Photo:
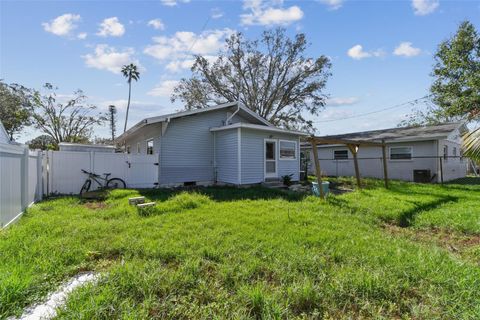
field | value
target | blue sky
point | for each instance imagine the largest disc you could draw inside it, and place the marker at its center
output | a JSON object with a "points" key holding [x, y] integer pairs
{"points": [[381, 51]]}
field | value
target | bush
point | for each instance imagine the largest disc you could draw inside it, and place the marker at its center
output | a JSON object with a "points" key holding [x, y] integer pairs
{"points": [[287, 179]]}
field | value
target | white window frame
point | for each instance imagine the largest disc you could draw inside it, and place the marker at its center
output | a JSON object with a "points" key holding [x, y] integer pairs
{"points": [[138, 147], [390, 153], [280, 154], [146, 146], [333, 155]]}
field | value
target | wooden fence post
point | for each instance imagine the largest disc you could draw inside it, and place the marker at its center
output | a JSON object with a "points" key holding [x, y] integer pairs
{"points": [[318, 172], [385, 169], [354, 150], [441, 169]]}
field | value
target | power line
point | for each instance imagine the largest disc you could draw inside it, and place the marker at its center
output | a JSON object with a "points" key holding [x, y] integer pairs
{"points": [[411, 102], [203, 29]]}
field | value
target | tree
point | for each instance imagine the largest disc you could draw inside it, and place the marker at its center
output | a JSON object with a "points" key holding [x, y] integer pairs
{"points": [[71, 121], [112, 119], [455, 91], [15, 107], [42, 142], [130, 72], [271, 76]]}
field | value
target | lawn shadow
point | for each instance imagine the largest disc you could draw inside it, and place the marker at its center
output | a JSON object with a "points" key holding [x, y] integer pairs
{"points": [[407, 218], [226, 193]]}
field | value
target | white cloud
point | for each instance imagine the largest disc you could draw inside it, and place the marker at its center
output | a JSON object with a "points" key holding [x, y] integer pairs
{"points": [[356, 52], [184, 43], [268, 13], [111, 27], [424, 7], [82, 35], [173, 3], [182, 64], [407, 50], [339, 101], [157, 24], [62, 25], [164, 88], [108, 58], [216, 13], [333, 4]]}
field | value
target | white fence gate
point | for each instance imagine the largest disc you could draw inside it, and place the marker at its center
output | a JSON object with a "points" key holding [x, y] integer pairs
{"points": [[65, 174]]}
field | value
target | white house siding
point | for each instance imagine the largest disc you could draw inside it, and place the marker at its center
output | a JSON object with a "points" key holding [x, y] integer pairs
{"points": [[140, 138], [186, 149], [226, 150], [454, 167], [373, 166], [253, 162]]}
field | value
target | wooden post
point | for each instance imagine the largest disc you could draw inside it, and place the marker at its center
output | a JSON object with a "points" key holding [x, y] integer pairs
{"points": [[318, 172], [441, 170], [385, 169], [354, 150]]}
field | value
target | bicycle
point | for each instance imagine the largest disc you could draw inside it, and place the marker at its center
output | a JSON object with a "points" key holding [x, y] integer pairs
{"points": [[103, 182]]}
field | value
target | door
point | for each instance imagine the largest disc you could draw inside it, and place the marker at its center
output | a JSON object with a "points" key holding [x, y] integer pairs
{"points": [[271, 159]]}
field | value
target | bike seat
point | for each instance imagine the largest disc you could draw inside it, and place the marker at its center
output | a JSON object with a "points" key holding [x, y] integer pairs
{"points": [[107, 174]]}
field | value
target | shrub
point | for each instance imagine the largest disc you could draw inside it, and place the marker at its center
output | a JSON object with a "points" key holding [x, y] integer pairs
{"points": [[287, 179]]}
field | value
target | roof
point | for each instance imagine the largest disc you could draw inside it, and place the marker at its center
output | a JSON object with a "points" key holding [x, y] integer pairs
{"points": [[257, 127], [402, 134], [103, 146], [168, 117]]}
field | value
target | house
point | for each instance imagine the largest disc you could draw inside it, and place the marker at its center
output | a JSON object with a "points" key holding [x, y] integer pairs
{"points": [[78, 147], [413, 153], [4, 138], [225, 144]]}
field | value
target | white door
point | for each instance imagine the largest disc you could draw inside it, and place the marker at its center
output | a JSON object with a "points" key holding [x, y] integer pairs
{"points": [[271, 159], [142, 170]]}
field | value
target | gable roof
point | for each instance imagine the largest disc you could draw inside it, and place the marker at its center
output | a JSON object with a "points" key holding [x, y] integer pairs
{"points": [[402, 134], [167, 117]]}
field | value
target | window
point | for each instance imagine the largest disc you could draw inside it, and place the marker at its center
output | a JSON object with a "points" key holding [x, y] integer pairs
{"points": [[400, 153], [445, 153], [138, 147], [150, 146], [454, 151], [340, 154], [288, 150], [127, 149]]}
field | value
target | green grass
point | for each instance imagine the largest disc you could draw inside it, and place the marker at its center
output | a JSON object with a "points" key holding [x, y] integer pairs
{"points": [[253, 253]]}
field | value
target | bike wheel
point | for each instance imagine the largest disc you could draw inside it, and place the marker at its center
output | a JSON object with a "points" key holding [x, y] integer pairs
{"points": [[116, 183], [86, 186]]}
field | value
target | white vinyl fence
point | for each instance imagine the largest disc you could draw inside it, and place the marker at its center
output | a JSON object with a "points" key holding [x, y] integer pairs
{"points": [[20, 181], [65, 174], [28, 176]]}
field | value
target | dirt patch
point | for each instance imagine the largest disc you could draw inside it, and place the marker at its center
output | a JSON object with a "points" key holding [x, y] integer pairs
{"points": [[95, 205], [453, 241]]}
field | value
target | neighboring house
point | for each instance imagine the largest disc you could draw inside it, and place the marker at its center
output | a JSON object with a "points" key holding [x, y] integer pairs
{"points": [[227, 143], [413, 154], [67, 146], [4, 138]]}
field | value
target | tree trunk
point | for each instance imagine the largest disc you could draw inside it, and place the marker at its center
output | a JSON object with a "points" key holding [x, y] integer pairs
{"points": [[128, 105]]}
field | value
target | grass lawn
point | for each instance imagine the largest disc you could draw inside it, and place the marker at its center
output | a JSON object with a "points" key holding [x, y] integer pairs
{"points": [[409, 252]]}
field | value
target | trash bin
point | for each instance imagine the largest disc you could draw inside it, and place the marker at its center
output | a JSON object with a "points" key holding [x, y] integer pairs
{"points": [[325, 188]]}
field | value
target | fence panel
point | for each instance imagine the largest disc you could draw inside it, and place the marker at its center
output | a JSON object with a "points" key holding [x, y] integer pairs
{"points": [[11, 162], [65, 175], [142, 171], [114, 163]]}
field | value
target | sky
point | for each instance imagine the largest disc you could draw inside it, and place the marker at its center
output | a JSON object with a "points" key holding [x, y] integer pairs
{"points": [[381, 51]]}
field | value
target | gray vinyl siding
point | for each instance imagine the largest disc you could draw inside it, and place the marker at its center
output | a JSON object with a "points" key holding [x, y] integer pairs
{"points": [[186, 149], [153, 131], [252, 152], [226, 149]]}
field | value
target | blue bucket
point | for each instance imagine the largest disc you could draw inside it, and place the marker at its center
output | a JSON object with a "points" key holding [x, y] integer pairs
{"points": [[325, 188]]}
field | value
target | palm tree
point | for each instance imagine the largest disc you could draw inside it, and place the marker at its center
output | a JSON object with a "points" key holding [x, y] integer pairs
{"points": [[471, 144], [130, 72]]}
